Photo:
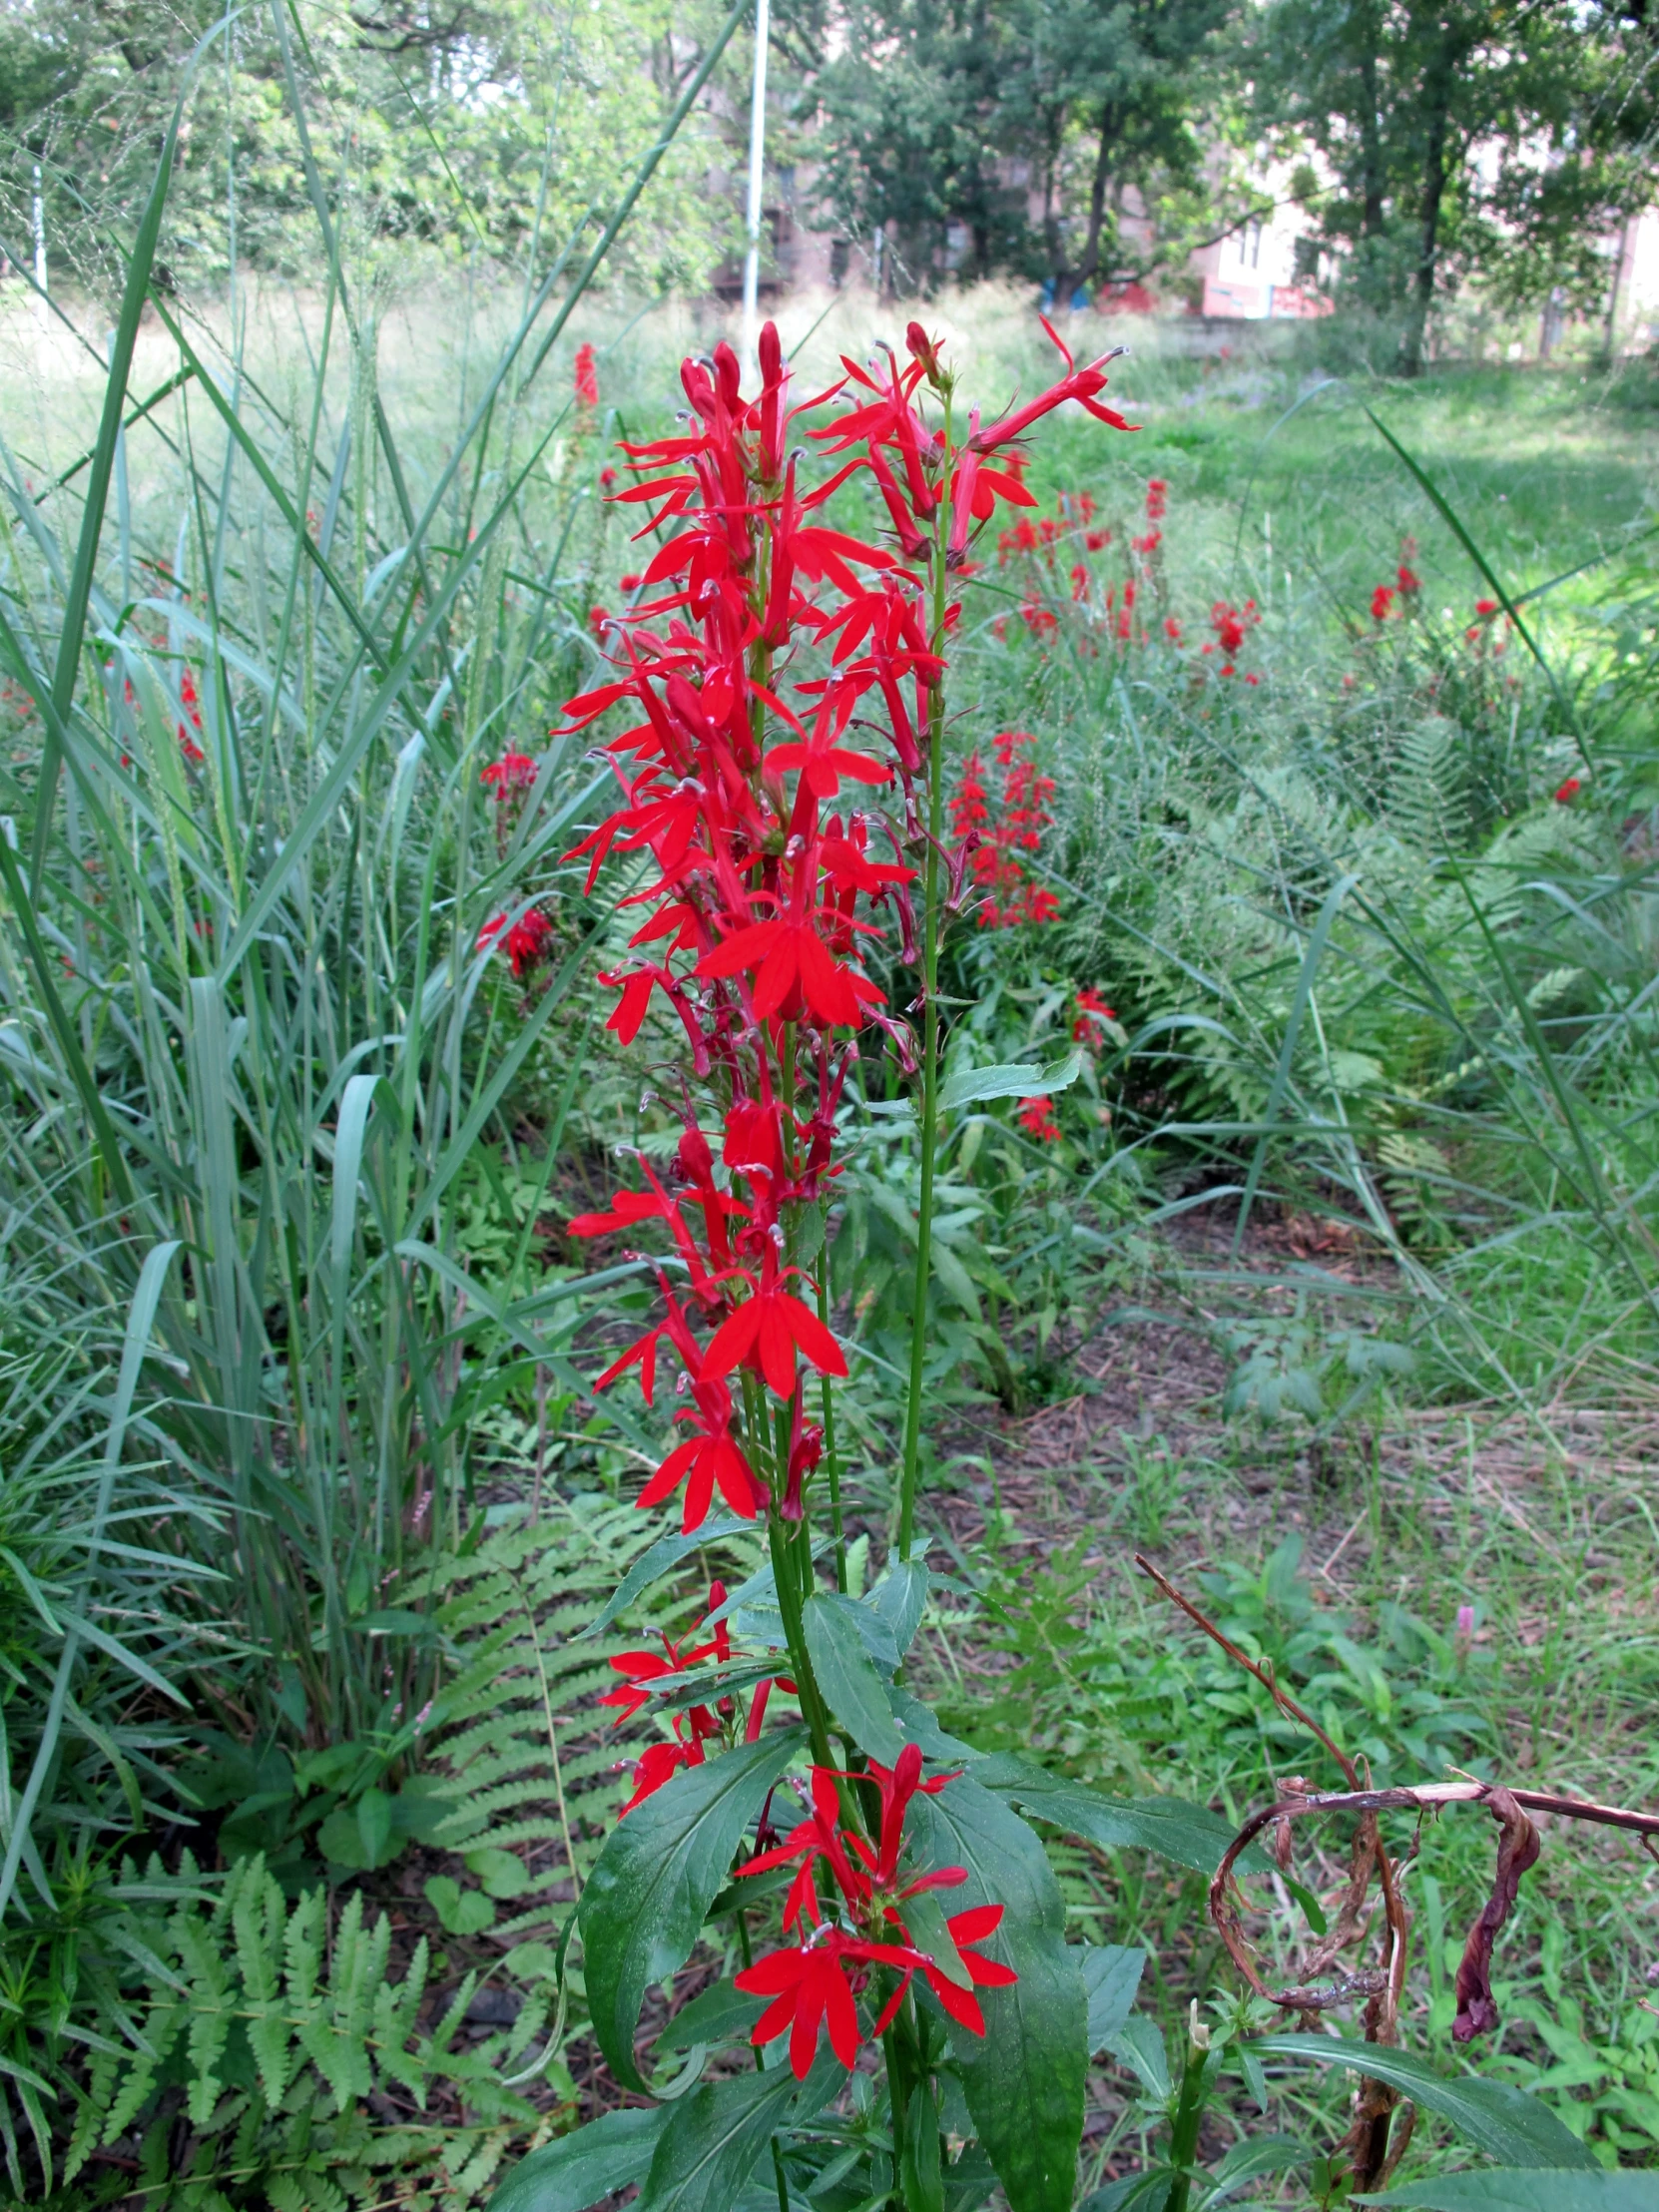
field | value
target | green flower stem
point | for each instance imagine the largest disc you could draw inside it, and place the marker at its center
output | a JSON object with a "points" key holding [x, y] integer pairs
{"points": [[1189, 2114], [831, 1458], [929, 1016], [783, 1570]]}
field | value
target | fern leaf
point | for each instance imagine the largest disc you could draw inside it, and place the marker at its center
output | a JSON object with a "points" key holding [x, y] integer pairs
{"points": [[337, 2045]]}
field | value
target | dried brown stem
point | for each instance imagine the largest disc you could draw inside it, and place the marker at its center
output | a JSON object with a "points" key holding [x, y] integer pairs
{"points": [[1377, 2115], [1381, 2019], [1280, 1698], [1368, 2140]]}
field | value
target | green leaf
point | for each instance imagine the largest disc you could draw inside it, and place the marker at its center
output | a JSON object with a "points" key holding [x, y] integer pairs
{"points": [[72, 621], [656, 1878], [585, 2167], [918, 2158], [1023, 2079], [1139, 2046], [652, 1565], [917, 1723], [1009, 1079], [1497, 2117], [1111, 1976], [1251, 2159], [969, 2182], [341, 1839], [1150, 2189], [846, 1674], [500, 1872], [462, 1912], [899, 1600], [717, 2135], [925, 1918], [1530, 2189], [719, 2014], [1187, 1835], [872, 1626], [424, 1806], [375, 1827]]}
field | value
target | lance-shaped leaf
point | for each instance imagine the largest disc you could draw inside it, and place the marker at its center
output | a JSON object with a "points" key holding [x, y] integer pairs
{"points": [[1530, 2189], [715, 2137], [665, 1554], [1495, 2117], [1187, 1835], [582, 2169], [718, 2014], [656, 1878], [899, 1600], [1010, 1079], [846, 1674], [1023, 2079], [1111, 1975]]}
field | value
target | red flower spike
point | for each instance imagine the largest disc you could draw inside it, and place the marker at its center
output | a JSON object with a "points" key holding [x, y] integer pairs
{"points": [[1568, 792]]}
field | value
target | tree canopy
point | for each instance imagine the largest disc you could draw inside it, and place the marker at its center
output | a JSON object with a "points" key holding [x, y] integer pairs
{"points": [[1068, 142]]}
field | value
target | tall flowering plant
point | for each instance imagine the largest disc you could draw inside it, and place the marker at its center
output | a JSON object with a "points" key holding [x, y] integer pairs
{"points": [[774, 716]]}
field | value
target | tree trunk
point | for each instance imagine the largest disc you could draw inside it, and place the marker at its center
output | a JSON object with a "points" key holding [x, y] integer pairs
{"points": [[1052, 162], [1370, 146], [1438, 117], [1066, 280]]}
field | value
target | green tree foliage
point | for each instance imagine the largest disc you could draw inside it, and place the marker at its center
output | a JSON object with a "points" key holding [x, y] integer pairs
{"points": [[1470, 139], [478, 125], [990, 136]]}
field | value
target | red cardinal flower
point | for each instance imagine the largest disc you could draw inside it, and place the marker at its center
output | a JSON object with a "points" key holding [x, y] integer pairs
{"points": [[526, 942], [659, 1763], [793, 972], [649, 1666], [818, 1836], [1080, 384], [587, 376], [711, 1458], [813, 1985], [967, 1929], [1088, 1025], [514, 772], [764, 1332], [1381, 600], [1036, 1118], [899, 1784], [1568, 792]]}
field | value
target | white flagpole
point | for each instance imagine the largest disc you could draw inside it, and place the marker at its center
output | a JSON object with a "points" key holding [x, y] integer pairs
{"points": [[757, 152]]}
